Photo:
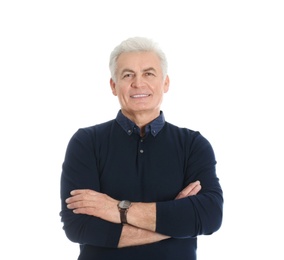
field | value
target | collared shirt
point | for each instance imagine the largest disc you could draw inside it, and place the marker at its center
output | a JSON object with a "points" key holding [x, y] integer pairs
{"points": [[153, 168], [130, 127]]}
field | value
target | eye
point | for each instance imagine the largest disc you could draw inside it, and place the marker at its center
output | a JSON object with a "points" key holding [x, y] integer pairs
{"points": [[128, 75], [150, 74]]}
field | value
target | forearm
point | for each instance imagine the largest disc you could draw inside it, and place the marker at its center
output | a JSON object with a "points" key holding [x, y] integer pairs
{"points": [[141, 218], [133, 236], [191, 216], [142, 215]]}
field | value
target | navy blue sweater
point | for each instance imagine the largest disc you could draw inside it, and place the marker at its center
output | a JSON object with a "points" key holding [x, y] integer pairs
{"points": [[113, 158]]}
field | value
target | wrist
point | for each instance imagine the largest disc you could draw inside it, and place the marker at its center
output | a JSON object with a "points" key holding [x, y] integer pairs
{"points": [[123, 207]]}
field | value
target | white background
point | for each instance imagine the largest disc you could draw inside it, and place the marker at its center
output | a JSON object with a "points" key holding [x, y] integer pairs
{"points": [[226, 65]]}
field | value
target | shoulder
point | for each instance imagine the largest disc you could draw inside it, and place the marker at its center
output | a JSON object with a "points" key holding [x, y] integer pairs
{"points": [[181, 131], [91, 132], [190, 137]]}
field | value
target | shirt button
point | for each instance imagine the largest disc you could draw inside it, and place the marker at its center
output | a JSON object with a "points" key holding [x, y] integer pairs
{"points": [[141, 151], [153, 131], [129, 131], [141, 140]]}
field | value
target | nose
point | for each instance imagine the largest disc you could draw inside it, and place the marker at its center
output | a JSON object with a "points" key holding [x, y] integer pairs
{"points": [[137, 82]]}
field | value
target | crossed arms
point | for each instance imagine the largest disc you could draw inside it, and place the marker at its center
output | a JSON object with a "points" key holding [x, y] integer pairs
{"points": [[92, 217], [141, 216]]}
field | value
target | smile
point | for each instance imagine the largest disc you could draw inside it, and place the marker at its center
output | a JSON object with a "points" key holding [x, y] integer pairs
{"points": [[140, 95]]}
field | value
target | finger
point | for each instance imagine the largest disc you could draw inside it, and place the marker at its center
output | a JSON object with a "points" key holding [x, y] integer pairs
{"points": [[86, 210], [81, 191], [195, 190], [75, 198], [192, 186], [191, 189], [80, 204]]}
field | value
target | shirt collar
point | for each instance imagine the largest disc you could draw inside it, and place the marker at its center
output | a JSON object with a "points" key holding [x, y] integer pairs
{"points": [[130, 127]]}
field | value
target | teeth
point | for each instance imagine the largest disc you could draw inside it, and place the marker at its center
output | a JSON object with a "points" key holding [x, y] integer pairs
{"points": [[140, 95]]}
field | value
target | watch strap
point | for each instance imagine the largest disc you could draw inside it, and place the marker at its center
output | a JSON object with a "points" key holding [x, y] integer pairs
{"points": [[123, 207], [123, 213]]}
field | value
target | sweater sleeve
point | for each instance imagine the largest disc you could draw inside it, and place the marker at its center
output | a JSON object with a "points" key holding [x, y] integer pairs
{"points": [[199, 214], [80, 171]]}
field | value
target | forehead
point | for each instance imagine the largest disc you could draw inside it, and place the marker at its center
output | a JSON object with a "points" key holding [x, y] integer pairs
{"points": [[138, 60]]}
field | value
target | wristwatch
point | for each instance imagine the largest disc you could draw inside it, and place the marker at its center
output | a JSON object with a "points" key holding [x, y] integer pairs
{"points": [[123, 207]]}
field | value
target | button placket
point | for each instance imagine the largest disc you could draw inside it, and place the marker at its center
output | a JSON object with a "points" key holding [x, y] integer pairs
{"points": [[141, 150]]}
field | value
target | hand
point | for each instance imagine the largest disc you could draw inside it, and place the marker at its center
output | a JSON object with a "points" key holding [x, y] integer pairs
{"points": [[190, 190], [94, 203]]}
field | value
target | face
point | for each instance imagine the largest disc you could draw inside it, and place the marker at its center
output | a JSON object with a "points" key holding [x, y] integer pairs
{"points": [[140, 84]]}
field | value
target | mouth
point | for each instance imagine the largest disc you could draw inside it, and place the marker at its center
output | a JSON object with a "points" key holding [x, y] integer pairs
{"points": [[140, 96]]}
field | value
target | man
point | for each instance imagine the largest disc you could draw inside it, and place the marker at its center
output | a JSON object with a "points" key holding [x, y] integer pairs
{"points": [[131, 187]]}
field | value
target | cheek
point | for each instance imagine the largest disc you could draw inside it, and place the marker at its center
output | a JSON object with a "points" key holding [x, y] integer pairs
{"points": [[122, 96]]}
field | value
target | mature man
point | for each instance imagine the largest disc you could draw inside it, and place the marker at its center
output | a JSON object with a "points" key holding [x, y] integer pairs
{"points": [[131, 186]]}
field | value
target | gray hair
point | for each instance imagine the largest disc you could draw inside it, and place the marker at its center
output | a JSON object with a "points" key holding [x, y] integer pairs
{"points": [[137, 44]]}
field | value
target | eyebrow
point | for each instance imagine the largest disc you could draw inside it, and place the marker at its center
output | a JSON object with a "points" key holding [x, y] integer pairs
{"points": [[126, 70], [149, 69], [132, 71]]}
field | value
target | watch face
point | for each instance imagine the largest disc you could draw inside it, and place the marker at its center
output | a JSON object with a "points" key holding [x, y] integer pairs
{"points": [[125, 204]]}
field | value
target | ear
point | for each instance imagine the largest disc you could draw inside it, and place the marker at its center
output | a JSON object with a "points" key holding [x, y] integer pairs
{"points": [[166, 84], [112, 85]]}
